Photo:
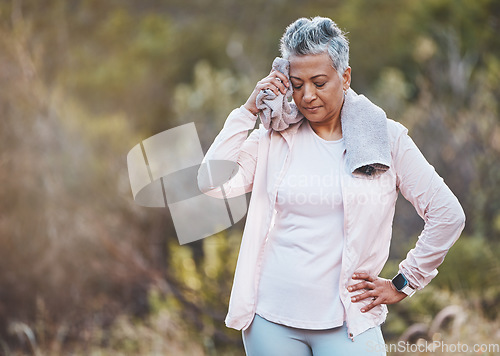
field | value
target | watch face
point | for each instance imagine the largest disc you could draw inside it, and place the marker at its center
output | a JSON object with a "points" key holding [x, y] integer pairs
{"points": [[399, 281]]}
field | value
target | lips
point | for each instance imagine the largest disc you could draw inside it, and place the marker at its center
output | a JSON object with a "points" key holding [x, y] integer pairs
{"points": [[312, 108]]}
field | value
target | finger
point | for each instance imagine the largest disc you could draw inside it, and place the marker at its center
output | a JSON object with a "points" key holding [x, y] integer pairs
{"points": [[280, 80], [370, 306], [363, 275], [263, 85], [366, 295], [361, 285], [283, 78], [279, 84]]}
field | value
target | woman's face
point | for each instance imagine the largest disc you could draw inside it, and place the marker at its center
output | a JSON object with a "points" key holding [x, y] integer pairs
{"points": [[317, 87]]}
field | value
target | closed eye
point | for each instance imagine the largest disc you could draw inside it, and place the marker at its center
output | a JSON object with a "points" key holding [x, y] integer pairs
{"points": [[319, 85]]}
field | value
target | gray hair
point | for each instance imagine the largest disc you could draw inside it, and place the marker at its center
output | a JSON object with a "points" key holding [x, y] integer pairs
{"points": [[315, 36]]}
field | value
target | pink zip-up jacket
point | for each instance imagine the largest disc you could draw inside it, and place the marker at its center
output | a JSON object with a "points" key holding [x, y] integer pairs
{"points": [[369, 204]]}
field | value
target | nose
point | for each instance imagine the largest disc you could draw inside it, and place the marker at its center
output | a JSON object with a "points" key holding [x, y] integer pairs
{"points": [[309, 93]]}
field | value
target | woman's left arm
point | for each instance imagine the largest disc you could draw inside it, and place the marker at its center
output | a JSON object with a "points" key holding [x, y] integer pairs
{"points": [[444, 221], [443, 216]]}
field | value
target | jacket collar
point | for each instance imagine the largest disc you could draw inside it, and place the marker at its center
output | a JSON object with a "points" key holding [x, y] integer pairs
{"points": [[289, 132]]}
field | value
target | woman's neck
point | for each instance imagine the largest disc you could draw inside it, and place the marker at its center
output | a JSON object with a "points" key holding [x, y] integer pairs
{"points": [[329, 131]]}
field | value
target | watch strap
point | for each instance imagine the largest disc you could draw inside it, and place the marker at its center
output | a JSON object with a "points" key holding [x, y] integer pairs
{"points": [[409, 291]]}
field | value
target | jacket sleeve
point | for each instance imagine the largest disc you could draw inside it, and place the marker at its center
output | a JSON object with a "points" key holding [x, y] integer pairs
{"points": [[216, 177], [439, 208]]}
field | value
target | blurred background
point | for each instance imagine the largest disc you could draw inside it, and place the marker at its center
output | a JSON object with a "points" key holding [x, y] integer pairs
{"points": [[86, 271]]}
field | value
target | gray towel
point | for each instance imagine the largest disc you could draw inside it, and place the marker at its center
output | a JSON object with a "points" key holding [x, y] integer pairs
{"points": [[364, 125], [276, 112], [364, 128]]}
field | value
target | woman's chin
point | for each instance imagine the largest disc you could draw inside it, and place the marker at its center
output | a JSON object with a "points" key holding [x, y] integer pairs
{"points": [[314, 119], [310, 117]]}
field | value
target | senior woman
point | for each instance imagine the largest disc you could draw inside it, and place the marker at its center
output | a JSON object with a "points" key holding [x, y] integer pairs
{"points": [[317, 235]]}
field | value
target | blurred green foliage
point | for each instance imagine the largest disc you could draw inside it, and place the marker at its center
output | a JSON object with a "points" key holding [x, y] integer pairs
{"points": [[85, 270]]}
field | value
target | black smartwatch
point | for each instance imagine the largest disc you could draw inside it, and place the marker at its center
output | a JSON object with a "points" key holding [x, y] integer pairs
{"points": [[402, 285]]}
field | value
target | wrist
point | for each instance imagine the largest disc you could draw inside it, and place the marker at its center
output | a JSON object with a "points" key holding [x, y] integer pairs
{"points": [[401, 284], [252, 109]]}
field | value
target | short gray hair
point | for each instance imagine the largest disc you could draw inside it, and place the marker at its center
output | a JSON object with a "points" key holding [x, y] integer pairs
{"points": [[315, 36]]}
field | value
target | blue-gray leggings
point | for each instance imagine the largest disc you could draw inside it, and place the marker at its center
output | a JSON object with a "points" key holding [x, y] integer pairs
{"points": [[265, 338]]}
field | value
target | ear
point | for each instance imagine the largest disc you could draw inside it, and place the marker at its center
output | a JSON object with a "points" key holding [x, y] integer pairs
{"points": [[346, 78]]}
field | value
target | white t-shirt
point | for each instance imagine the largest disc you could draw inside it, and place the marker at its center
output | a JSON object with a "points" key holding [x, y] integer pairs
{"points": [[299, 284]]}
